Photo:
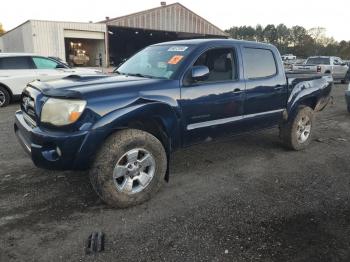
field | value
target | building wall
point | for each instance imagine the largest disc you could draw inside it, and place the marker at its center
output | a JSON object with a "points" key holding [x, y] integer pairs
{"points": [[48, 36], [18, 39], [1, 45]]}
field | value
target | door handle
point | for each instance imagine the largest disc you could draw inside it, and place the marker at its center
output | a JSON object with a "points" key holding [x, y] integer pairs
{"points": [[278, 88]]}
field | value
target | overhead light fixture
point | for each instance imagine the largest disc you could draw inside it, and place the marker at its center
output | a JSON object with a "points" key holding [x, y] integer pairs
{"points": [[136, 32], [110, 32]]}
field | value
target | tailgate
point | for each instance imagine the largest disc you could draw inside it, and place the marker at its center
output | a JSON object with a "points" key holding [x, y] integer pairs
{"points": [[305, 68]]}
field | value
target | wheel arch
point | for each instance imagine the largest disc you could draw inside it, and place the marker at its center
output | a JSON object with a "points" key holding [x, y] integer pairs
{"points": [[158, 119], [8, 90]]}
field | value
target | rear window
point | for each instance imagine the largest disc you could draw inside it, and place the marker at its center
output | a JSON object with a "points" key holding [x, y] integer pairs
{"points": [[258, 63], [17, 62], [318, 61]]}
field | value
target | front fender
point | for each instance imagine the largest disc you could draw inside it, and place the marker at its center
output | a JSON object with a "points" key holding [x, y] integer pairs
{"points": [[161, 112]]}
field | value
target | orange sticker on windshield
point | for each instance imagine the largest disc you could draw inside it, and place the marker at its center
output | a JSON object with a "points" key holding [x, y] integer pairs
{"points": [[175, 59]]}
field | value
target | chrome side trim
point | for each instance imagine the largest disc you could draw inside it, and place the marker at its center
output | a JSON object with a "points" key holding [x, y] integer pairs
{"points": [[229, 119]]}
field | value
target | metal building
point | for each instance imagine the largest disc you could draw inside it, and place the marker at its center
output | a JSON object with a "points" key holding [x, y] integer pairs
{"points": [[111, 41], [130, 33], [51, 38]]}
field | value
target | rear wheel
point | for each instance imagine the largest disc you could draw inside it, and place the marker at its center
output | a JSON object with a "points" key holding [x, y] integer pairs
{"points": [[4, 97], [297, 132], [129, 169]]}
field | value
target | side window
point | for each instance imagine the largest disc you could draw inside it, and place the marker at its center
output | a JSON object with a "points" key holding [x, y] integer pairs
{"points": [[258, 63], [44, 63], [221, 65], [16, 62]]}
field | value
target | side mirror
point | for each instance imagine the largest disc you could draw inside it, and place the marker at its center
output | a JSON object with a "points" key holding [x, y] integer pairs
{"points": [[60, 66], [200, 73]]}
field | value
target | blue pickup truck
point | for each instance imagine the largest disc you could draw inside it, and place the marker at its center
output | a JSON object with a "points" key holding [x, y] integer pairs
{"points": [[124, 127]]}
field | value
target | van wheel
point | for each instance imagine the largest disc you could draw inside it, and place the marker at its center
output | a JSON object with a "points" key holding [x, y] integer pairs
{"points": [[4, 97], [297, 132], [129, 168]]}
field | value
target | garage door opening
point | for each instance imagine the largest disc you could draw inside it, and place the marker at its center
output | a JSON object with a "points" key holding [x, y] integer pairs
{"points": [[124, 42], [85, 52]]}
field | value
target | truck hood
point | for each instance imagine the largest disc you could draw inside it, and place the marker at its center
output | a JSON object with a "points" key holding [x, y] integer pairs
{"points": [[92, 86]]}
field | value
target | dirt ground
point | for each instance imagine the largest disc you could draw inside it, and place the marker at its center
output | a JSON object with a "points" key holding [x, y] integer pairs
{"points": [[243, 199]]}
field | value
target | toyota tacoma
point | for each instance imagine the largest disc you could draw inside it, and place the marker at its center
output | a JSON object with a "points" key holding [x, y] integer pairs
{"points": [[124, 127]]}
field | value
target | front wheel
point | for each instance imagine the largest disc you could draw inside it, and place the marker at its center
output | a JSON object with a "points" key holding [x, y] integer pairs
{"points": [[4, 97], [297, 132], [129, 169]]}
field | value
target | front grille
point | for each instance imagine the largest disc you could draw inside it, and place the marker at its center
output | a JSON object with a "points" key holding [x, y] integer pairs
{"points": [[28, 108]]}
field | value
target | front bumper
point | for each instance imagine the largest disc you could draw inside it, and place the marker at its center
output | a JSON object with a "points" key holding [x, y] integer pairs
{"points": [[52, 150]]}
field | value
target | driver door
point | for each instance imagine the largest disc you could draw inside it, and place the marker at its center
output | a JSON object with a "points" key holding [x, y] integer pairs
{"points": [[213, 106]]}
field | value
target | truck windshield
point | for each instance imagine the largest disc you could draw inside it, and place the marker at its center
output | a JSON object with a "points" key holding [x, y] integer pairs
{"points": [[318, 61], [155, 61]]}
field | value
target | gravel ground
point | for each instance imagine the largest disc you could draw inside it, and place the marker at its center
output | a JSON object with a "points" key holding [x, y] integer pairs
{"points": [[243, 199]]}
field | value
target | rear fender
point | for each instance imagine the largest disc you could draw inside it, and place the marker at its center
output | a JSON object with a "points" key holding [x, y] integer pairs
{"points": [[313, 93]]}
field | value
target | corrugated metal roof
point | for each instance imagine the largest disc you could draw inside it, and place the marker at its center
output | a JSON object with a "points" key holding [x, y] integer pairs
{"points": [[174, 17]]}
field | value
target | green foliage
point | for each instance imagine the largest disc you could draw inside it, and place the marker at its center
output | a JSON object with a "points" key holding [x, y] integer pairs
{"points": [[2, 30], [296, 40]]}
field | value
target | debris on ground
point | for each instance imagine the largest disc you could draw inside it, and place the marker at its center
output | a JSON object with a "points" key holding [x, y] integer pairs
{"points": [[94, 243]]}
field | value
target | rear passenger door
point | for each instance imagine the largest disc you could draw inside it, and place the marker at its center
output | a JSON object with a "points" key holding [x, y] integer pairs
{"points": [[266, 89], [213, 106], [19, 71]]}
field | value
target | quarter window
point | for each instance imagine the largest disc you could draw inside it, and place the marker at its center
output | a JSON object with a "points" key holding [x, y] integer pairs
{"points": [[44, 63], [258, 63], [16, 62]]}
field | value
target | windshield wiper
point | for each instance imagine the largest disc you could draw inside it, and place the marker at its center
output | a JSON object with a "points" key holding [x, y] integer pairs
{"points": [[140, 75], [119, 73]]}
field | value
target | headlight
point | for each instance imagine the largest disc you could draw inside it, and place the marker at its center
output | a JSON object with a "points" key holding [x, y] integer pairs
{"points": [[60, 112]]}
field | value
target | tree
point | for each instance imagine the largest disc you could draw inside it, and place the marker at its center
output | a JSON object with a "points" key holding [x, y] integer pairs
{"points": [[296, 40], [270, 34], [283, 37], [259, 33], [298, 34], [2, 30]]}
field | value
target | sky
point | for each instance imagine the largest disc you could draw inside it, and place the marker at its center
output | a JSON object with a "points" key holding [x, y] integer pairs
{"points": [[333, 15]]}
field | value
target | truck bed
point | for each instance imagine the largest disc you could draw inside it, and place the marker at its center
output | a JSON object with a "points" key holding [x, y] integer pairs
{"points": [[298, 77]]}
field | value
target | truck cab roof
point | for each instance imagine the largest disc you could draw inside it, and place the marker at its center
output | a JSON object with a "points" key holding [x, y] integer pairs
{"points": [[219, 41]]}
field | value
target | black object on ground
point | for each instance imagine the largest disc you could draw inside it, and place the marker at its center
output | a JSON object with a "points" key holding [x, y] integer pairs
{"points": [[95, 243]]}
